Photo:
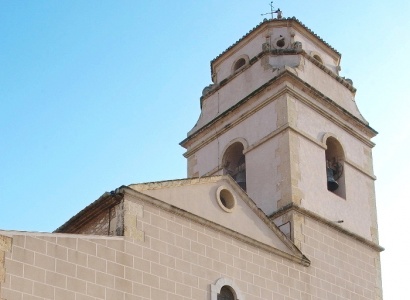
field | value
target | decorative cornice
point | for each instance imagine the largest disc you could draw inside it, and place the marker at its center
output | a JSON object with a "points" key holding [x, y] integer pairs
{"points": [[347, 116], [332, 74], [287, 126], [267, 137], [228, 111], [277, 52], [360, 169], [308, 89], [316, 217]]}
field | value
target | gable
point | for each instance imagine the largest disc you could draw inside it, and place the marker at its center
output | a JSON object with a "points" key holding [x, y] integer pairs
{"points": [[203, 199]]}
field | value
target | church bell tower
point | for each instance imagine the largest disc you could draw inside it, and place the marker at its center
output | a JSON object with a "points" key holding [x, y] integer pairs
{"points": [[281, 121]]}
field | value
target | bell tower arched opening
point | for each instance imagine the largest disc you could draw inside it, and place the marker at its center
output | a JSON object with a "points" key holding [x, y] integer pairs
{"points": [[335, 174], [234, 163]]}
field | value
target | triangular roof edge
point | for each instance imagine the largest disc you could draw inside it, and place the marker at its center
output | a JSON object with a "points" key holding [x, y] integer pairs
{"points": [[173, 182], [297, 256], [252, 205], [136, 190], [109, 199], [106, 200], [266, 21]]}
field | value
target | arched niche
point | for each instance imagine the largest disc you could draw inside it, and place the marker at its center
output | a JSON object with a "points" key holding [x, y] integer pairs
{"points": [[241, 62], [316, 56], [225, 289]]}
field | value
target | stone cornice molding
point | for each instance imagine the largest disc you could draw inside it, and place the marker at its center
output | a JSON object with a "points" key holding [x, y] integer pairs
{"points": [[338, 78], [267, 137], [306, 136], [318, 218], [276, 52], [281, 78], [338, 110], [214, 122]]}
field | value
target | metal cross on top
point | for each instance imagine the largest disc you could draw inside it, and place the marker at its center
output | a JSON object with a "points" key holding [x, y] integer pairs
{"points": [[278, 12]]}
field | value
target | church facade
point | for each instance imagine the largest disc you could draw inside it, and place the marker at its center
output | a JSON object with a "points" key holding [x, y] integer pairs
{"points": [[278, 204]]}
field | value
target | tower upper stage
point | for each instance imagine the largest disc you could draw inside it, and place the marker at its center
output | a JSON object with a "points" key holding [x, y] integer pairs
{"points": [[270, 49]]}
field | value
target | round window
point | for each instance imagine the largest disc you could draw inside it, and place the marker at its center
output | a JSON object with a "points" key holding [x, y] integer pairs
{"points": [[280, 43], [226, 199]]}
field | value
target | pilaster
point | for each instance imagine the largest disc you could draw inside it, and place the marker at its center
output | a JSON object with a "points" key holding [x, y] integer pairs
{"points": [[5, 246]]}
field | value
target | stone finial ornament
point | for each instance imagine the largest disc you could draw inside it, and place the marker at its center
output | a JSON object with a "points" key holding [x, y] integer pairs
{"points": [[265, 46], [207, 89], [297, 46]]}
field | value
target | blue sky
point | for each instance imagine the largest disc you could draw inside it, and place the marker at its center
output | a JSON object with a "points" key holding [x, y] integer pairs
{"points": [[98, 94]]}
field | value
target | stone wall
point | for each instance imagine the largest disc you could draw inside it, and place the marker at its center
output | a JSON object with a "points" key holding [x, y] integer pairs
{"points": [[342, 267], [179, 259]]}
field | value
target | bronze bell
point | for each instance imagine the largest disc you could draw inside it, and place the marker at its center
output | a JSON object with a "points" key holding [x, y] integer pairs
{"points": [[332, 184], [240, 177]]}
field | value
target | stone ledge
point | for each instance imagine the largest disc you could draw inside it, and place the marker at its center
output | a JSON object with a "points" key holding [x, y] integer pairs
{"points": [[287, 76]]}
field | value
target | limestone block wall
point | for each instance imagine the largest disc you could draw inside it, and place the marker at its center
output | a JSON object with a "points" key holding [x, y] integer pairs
{"points": [[342, 267], [63, 266], [180, 259]]}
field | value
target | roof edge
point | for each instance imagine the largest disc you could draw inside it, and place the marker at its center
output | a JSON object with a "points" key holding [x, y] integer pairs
{"points": [[267, 21], [105, 201], [260, 89], [297, 256], [173, 182], [303, 211]]}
